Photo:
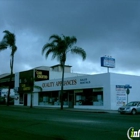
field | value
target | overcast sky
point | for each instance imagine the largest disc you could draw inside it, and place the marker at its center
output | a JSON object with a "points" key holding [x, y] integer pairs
{"points": [[102, 27]]}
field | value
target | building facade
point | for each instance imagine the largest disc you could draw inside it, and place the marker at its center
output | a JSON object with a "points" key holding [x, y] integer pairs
{"points": [[101, 91], [106, 91]]}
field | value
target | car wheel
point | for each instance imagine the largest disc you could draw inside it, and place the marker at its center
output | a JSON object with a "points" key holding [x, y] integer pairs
{"points": [[134, 112]]}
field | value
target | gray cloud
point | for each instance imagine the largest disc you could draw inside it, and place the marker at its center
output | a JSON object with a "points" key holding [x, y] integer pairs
{"points": [[101, 27]]}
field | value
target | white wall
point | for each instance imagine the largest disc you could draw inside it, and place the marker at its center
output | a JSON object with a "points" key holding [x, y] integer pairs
{"points": [[28, 99], [82, 82], [74, 81], [16, 101], [56, 75], [35, 99], [120, 79]]}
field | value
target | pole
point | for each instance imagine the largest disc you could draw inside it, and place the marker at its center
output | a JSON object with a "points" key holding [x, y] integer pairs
{"points": [[107, 69], [127, 98]]}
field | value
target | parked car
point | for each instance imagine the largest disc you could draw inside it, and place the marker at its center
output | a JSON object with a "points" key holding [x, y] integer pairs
{"points": [[131, 108]]}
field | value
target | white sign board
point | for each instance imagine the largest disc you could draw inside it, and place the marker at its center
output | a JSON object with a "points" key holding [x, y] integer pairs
{"points": [[120, 95]]}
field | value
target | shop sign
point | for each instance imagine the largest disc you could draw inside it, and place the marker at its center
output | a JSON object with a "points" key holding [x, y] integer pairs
{"points": [[26, 81], [25, 87], [97, 89], [41, 75], [107, 62], [120, 95], [58, 83], [84, 81], [78, 91]]}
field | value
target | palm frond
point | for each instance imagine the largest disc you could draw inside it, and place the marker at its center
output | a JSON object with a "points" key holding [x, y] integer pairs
{"points": [[71, 40], [3, 45], [46, 47], [38, 87], [10, 37], [50, 51], [80, 51], [55, 38]]}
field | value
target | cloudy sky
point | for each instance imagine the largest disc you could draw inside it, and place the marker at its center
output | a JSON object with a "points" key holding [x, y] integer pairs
{"points": [[102, 27]]}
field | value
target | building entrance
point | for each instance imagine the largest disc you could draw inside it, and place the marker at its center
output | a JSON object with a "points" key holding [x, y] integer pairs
{"points": [[25, 99], [71, 100]]}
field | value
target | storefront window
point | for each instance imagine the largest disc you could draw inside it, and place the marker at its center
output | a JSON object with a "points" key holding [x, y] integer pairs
{"points": [[49, 98], [98, 96], [52, 98], [89, 97]]}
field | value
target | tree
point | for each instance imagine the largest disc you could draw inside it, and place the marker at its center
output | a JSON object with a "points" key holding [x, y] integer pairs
{"points": [[9, 40], [59, 47]]}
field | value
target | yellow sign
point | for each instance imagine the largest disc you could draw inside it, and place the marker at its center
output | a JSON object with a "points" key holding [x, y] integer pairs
{"points": [[25, 88], [41, 74]]}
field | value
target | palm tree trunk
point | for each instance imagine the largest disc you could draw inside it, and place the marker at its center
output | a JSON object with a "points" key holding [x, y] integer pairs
{"points": [[61, 95], [11, 66], [31, 105], [8, 96]]}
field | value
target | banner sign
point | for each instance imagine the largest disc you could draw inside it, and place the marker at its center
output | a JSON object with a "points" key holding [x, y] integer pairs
{"points": [[41, 75], [120, 95], [26, 81], [108, 62]]}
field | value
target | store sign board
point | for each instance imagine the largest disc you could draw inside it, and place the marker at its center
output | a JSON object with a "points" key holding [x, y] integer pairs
{"points": [[76, 83], [58, 83], [26, 81], [41, 75], [78, 91], [120, 95], [97, 89], [108, 62]]}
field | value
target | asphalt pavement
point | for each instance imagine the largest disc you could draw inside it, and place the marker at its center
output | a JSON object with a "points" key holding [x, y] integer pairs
{"points": [[49, 123]]}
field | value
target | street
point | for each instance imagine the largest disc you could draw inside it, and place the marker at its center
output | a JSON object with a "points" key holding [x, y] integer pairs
{"points": [[55, 124]]}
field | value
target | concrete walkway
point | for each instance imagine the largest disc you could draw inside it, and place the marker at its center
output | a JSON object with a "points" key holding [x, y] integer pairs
{"points": [[69, 109], [92, 110], [81, 110]]}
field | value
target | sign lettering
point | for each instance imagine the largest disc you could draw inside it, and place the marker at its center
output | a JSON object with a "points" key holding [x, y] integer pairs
{"points": [[41, 75], [58, 83]]}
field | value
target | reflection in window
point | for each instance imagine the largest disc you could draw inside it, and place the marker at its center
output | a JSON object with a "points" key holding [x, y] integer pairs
{"points": [[49, 98], [89, 97]]}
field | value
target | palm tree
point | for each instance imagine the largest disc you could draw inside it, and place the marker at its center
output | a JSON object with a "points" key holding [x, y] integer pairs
{"points": [[59, 47], [9, 40]]}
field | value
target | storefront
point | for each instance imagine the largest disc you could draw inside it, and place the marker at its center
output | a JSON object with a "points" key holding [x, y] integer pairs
{"points": [[100, 91], [78, 97], [79, 92]]}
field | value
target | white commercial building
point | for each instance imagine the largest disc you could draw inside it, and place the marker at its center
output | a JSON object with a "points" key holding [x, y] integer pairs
{"points": [[100, 91]]}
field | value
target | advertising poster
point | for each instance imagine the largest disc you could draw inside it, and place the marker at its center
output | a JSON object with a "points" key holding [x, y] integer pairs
{"points": [[120, 95]]}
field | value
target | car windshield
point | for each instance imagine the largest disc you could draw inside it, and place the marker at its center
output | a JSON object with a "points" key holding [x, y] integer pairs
{"points": [[132, 104]]}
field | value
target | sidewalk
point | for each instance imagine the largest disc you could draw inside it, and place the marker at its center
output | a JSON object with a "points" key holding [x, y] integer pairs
{"points": [[81, 110], [91, 110], [68, 109]]}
